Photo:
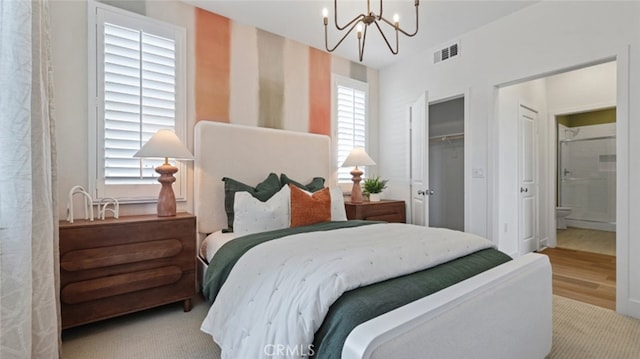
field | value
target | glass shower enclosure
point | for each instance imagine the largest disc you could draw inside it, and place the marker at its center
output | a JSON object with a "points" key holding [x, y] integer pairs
{"points": [[587, 181]]}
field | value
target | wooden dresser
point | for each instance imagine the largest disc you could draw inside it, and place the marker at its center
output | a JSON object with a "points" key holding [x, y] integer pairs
{"points": [[385, 210], [118, 266]]}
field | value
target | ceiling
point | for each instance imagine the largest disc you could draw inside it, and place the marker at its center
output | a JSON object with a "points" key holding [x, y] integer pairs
{"points": [[301, 20]]}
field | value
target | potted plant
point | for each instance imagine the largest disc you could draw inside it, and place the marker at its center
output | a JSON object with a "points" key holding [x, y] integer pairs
{"points": [[373, 187]]}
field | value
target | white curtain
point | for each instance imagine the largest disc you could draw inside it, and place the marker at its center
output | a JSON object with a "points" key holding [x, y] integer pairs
{"points": [[29, 279]]}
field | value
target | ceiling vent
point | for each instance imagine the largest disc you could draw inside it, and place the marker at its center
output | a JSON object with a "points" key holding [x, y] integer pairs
{"points": [[446, 53]]}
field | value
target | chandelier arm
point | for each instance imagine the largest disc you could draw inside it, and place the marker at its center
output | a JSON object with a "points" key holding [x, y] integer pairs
{"points": [[380, 14], [415, 32], [417, 3], [364, 39], [387, 41], [335, 17], [400, 29], [355, 19], [326, 41]]}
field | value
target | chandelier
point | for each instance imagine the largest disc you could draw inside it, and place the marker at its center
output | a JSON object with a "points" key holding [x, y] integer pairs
{"points": [[367, 19]]}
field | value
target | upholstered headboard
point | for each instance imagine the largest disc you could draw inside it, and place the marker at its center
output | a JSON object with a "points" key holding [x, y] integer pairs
{"points": [[248, 154]]}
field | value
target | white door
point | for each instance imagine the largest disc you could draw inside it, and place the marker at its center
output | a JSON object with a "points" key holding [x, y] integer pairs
{"points": [[419, 128], [527, 180]]}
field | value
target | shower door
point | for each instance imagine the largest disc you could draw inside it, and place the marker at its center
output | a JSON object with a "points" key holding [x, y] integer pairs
{"points": [[587, 181]]}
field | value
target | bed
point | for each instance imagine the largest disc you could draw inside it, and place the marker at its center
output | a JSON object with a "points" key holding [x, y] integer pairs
{"points": [[502, 312]]}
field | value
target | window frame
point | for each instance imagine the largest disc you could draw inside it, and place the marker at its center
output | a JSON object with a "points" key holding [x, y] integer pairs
{"points": [[98, 13], [338, 80]]}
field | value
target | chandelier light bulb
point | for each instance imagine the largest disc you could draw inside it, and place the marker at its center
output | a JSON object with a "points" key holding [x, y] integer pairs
{"points": [[325, 13], [359, 28]]}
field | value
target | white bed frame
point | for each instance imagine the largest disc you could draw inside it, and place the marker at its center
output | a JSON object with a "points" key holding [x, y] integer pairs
{"points": [[505, 312]]}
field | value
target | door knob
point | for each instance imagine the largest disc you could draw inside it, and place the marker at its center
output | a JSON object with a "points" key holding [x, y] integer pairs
{"points": [[523, 189], [428, 192]]}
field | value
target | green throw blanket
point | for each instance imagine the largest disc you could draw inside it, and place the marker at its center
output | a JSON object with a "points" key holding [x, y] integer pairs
{"points": [[361, 304]]}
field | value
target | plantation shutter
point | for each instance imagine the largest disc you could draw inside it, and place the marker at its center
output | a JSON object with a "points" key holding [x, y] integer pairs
{"points": [[351, 126], [139, 99]]}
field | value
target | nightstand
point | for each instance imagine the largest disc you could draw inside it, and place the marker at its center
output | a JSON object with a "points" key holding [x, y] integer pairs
{"points": [[385, 210], [118, 266]]}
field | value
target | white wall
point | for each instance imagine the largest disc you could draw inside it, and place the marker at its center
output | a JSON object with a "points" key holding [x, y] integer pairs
{"points": [[588, 88], [542, 39]]}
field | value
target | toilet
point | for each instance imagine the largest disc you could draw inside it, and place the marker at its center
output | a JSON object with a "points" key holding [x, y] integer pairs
{"points": [[561, 214]]}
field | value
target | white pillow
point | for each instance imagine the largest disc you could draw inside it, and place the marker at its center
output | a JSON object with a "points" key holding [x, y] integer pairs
{"points": [[214, 242], [338, 213], [252, 215]]}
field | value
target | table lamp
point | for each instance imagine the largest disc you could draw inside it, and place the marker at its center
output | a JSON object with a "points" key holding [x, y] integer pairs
{"points": [[357, 157], [165, 144]]}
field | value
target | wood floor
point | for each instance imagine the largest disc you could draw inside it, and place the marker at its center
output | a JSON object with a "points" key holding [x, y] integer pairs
{"points": [[584, 276]]}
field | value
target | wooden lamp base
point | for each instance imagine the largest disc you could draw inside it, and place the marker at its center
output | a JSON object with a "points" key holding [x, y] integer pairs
{"points": [[356, 191], [166, 198]]}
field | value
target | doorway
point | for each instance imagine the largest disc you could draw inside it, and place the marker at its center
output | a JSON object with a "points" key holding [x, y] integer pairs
{"points": [[569, 93], [439, 173], [586, 181], [446, 164], [576, 172]]}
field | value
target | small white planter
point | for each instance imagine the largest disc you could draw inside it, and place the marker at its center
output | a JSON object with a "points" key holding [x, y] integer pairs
{"points": [[374, 197]]}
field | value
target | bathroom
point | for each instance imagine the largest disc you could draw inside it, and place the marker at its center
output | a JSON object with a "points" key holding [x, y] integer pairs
{"points": [[586, 181]]}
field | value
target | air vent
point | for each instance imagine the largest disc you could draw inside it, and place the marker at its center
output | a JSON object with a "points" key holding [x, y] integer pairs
{"points": [[446, 53]]}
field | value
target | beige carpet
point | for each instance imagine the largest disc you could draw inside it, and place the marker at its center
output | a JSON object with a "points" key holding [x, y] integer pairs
{"points": [[159, 333], [584, 331], [579, 331]]}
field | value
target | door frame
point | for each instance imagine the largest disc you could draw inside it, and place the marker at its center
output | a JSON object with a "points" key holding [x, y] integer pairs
{"points": [[467, 148], [627, 299], [434, 99]]}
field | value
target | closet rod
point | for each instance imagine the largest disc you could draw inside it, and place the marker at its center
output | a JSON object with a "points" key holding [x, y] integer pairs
{"points": [[451, 137], [588, 139]]}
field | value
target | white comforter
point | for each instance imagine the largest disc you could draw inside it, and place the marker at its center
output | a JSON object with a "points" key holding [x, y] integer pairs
{"points": [[279, 292]]}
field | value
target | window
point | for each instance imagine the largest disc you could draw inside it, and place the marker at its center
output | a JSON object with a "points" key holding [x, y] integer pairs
{"points": [[137, 76], [351, 111]]}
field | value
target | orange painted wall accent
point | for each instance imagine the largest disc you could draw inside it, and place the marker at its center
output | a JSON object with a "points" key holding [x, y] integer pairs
{"points": [[213, 66], [319, 92]]}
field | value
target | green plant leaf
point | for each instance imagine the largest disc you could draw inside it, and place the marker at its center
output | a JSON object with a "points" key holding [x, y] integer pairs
{"points": [[374, 185]]}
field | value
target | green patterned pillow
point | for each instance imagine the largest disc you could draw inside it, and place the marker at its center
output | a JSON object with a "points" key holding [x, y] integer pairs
{"points": [[316, 184], [263, 191]]}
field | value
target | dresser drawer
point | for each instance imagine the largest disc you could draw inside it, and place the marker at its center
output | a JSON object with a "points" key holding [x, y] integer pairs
{"points": [[113, 267], [386, 210]]}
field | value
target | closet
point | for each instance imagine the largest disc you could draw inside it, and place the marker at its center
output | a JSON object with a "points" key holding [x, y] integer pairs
{"points": [[446, 164]]}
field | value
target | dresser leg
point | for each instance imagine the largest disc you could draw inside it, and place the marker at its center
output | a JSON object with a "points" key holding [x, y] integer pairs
{"points": [[186, 305]]}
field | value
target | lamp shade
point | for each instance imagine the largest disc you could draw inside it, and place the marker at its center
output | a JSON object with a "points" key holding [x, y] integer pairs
{"points": [[164, 144], [358, 157]]}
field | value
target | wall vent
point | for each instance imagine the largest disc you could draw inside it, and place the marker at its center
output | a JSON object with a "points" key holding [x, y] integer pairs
{"points": [[446, 53]]}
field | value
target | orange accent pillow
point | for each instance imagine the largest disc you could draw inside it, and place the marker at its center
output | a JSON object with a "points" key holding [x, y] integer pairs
{"points": [[308, 209]]}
